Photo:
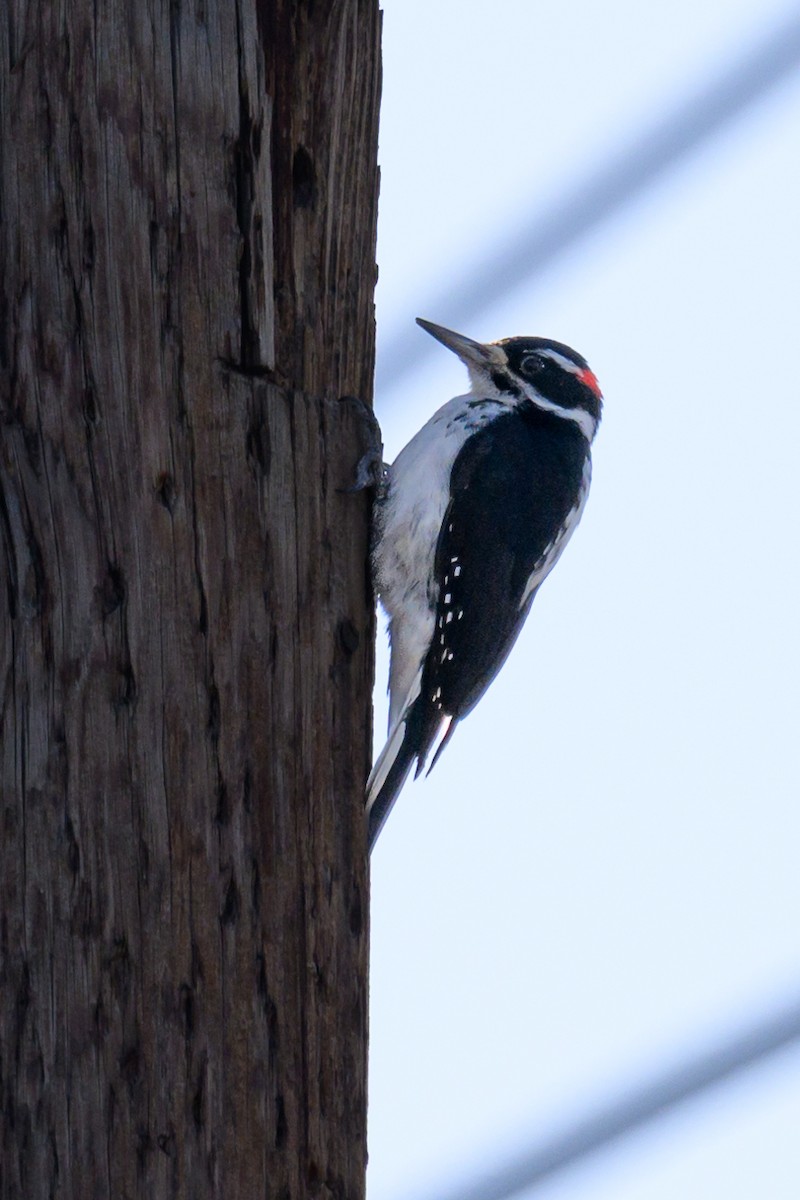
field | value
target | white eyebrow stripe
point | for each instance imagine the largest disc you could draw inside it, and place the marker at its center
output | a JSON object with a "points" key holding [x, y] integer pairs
{"points": [[562, 361]]}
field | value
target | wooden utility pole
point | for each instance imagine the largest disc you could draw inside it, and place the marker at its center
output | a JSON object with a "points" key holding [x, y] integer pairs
{"points": [[188, 202]]}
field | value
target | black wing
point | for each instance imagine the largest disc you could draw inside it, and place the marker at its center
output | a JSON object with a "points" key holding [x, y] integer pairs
{"points": [[513, 486]]}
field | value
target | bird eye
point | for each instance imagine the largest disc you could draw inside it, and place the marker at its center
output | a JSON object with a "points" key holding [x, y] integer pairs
{"points": [[532, 364]]}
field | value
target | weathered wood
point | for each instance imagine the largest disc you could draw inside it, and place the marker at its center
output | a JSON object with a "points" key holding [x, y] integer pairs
{"points": [[188, 202]]}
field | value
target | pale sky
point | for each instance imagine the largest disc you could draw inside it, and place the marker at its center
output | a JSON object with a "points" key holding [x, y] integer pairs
{"points": [[603, 870]]}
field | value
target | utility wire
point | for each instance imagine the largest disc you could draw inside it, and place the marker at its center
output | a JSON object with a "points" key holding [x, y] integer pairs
{"points": [[526, 254], [599, 1129], [539, 243]]}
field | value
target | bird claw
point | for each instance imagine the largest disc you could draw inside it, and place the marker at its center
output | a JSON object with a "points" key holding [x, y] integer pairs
{"points": [[370, 470]]}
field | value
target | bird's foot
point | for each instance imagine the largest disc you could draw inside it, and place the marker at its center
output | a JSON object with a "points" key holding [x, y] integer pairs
{"points": [[370, 469]]}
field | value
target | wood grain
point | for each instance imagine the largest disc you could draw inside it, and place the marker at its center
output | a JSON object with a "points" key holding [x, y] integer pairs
{"points": [[188, 199]]}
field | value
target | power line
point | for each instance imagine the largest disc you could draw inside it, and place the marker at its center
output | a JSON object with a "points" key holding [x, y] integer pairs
{"points": [[535, 246], [601, 1128], [539, 243]]}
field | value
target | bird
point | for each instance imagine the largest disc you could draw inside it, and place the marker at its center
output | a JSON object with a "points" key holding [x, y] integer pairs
{"points": [[468, 522]]}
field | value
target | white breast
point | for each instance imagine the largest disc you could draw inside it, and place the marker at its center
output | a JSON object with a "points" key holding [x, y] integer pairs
{"points": [[408, 521]]}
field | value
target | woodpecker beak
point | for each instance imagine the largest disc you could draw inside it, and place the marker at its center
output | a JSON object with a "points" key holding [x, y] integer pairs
{"points": [[472, 354]]}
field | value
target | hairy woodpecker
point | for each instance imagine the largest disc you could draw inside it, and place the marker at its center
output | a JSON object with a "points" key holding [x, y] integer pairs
{"points": [[473, 515]]}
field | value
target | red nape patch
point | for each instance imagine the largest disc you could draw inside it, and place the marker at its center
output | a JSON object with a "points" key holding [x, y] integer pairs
{"points": [[590, 379]]}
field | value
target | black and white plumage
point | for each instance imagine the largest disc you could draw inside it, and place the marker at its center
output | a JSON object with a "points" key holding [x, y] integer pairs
{"points": [[474, 514]]}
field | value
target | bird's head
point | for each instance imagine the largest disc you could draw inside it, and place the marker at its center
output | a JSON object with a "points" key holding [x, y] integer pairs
{"points": [[548, 374]]}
